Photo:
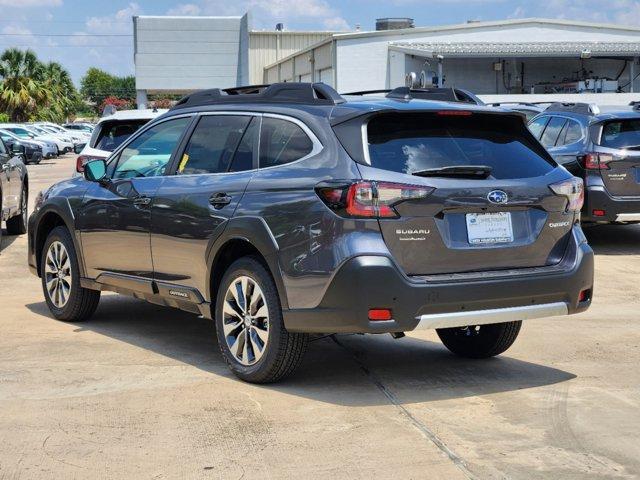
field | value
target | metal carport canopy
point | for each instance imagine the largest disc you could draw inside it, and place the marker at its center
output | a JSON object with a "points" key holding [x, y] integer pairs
{"points": [[514, 49]]}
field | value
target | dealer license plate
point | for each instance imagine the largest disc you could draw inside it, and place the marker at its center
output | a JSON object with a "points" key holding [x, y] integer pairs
{"points": [[489, 228]]}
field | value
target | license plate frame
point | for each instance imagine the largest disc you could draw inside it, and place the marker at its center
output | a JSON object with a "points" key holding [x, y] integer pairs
{"points": [[489, 228]]}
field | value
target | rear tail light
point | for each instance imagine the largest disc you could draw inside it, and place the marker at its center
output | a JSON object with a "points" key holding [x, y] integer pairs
{"points": [[596, 161], [369, 199], [573, 189]]}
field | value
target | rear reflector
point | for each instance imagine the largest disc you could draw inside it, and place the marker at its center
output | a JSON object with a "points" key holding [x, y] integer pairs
{"points": [[380, 314], [599, 213], [584, 295]]}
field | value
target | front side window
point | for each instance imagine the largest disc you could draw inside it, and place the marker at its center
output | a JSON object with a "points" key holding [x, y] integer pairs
{"points": [[282, 142], [412, 142], [213, 144], [149, 154], [3, 148]]}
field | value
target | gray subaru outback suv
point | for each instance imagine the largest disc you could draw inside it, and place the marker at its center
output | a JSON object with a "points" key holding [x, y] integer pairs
{"points": [[289, 210]]}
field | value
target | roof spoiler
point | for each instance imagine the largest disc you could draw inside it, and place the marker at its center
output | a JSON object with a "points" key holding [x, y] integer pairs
{"points": [[577, 107]]}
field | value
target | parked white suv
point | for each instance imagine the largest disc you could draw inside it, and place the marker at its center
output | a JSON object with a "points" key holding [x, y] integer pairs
{"points": [[28, 132], [111, 131]]}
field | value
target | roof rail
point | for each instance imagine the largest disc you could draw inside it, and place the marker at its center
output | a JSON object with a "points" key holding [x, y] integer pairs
{"points": [[293, 92], [578, 107], [524, 104], [435, 93]]}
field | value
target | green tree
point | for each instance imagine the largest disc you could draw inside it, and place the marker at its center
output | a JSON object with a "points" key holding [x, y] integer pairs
{"points": [[22, 92], [65, 97], [97, 85]]}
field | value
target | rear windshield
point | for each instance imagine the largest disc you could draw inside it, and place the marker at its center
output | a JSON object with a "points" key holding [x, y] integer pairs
{"points": [[407, 143], [111, 134], [621, 134]]}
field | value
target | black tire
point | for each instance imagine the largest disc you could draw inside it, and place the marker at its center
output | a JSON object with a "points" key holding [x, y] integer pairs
{"points": [[81, 302], [283, 351], [18, 225], [481, 341]]}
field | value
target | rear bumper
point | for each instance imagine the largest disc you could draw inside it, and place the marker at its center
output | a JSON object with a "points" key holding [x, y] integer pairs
{"points": [[616, 209], [367, 282]]}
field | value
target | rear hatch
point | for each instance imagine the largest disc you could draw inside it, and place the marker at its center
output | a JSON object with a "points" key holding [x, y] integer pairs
{"points": [[619, 157], [489, 204]]}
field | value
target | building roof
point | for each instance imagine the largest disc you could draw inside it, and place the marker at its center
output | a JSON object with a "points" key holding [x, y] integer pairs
{"points": [[497, 23], [503, 49]]}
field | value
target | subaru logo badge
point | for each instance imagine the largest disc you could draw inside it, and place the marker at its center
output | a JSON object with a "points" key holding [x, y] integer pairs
{"points": [[497, 196]]}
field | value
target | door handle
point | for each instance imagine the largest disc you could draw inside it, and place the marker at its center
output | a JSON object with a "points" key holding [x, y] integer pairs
{"points": [[219, 200], [141, 201]]}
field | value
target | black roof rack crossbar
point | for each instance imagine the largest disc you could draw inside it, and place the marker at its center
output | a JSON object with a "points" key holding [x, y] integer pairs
{"points": [[435, 93], [306, 93], [577, 107]]}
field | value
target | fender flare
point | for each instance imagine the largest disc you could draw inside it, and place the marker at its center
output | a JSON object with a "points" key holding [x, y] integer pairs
{"points": [[256, 232], [60, 207]]}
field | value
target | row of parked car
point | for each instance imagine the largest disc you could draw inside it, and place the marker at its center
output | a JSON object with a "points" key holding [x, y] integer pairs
{"points": [[42, 140]]}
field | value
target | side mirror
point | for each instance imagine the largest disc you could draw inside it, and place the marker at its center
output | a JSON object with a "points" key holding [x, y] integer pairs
{"points": [[78, 148], [18, 148], [95, 170]]}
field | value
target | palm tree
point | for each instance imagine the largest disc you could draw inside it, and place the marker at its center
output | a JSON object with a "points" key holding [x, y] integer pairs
{"points": [[22, 92], [64, 94]]}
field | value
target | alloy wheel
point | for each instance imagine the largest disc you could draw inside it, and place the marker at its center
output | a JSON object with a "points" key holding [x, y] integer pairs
{"points": [[58, 277], [245, 320]]}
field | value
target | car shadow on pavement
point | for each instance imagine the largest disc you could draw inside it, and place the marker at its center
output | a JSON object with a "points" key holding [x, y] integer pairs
{"points": [[349, 370], [7, 240], [614, 239]]}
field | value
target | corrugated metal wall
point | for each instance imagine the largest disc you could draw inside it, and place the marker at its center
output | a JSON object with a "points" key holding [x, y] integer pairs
{"points": [[266, 48]]}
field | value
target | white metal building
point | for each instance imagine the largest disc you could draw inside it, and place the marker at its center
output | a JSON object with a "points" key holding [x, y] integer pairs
{"points": [[520, 56], [183, 54]]}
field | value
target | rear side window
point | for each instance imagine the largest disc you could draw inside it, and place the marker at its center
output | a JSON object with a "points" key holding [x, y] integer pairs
{"points": [[282, 142], [551, 133], [408, 143], [537, 126], [621, 134], [571, 133], [213, 144], [111, 134]]}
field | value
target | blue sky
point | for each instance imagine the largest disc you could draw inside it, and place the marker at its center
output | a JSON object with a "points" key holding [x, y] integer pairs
{"points": [[46, 25]]}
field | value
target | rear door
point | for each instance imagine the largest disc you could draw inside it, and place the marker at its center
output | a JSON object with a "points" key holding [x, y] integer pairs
{"points": [[194, 203], [619, 154], [510, 219]]}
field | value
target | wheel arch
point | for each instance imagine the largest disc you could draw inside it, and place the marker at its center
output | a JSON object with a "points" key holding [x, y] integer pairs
{"points": [[50, 217], [242, 237]]}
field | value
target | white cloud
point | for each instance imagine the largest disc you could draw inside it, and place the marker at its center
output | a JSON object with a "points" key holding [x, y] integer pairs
{"points": [[119, 22], [186, 9], [336, 23], [30, 3], [22, 35]]}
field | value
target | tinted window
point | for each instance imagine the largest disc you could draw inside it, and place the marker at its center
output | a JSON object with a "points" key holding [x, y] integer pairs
{"points": [[213, 143], [148, 155], [551, 133], [243, 159], [3, 149], [621, 134], [111, 135], [571, 133], [282, 142], [408, 143], [537, 126], [21, 132]]}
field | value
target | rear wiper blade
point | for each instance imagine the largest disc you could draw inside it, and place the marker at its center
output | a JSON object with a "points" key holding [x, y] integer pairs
{"points": [[469, 171]]}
